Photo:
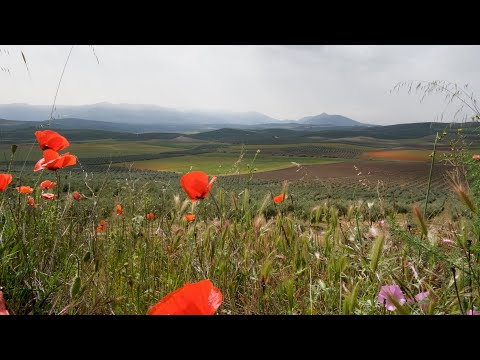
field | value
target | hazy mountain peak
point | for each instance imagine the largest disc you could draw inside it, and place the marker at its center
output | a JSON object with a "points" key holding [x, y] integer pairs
{"points": [[329, 120], [142, 117], [103, 103]]}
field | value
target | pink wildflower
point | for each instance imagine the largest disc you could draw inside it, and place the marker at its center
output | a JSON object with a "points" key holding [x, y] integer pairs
{"points": [[472, 312], [388, 292]]}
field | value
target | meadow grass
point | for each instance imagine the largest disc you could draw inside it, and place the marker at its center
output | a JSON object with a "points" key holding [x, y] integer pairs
{"points": [[262, 256]]}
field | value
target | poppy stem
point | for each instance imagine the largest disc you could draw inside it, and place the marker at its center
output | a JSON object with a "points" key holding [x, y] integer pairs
{"points": [[58, 184]]}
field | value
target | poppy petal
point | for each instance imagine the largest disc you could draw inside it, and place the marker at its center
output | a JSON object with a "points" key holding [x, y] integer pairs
{"points": [[47, 184], [24, 189], [279, 198], [211, 182], [49, 139], [61, 161], [39, 165], [53, 161], [50, 155], [31, 202], [190, 217], [48, 196], [5, 179], [200, 298], [150, 216], [196, 184], [66, 160]]}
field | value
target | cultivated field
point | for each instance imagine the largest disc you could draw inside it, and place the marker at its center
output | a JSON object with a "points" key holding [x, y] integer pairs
{"points": [[224, 163]]}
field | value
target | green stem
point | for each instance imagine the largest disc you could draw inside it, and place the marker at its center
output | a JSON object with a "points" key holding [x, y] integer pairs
{"points": [[430, 174]]}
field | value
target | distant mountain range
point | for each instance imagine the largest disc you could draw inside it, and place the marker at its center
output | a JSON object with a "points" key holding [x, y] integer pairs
{"points": [[152, 118]]}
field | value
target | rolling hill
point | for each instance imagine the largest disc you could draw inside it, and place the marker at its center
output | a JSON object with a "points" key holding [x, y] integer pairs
{"points": [[81, 129]]}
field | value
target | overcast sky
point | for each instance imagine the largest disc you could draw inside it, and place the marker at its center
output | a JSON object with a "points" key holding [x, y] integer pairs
{"points": [[284, 82]]}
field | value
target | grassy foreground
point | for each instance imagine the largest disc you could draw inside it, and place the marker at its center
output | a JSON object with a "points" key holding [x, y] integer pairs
{"points": [[57, 258]]}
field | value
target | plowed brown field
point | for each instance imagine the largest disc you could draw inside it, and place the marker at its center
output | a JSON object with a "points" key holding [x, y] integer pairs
{"points": [[392, 171]]}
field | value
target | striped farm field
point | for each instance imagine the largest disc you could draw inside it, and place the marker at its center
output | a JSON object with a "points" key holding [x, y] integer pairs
{"points": [[103, 148], [225, 163], [322, 144]]}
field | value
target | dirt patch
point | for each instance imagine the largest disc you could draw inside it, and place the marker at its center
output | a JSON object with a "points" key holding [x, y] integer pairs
{"points": [[401, 155]]}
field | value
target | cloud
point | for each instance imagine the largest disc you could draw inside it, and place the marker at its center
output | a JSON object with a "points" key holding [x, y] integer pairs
{"points": [[285, 81]]}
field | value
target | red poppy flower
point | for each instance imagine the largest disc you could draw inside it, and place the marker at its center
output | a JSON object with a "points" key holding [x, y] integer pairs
{"points": [[52, 161], [24, 189], [102, 226], [200, 298], [196, 184], [47, 184], [476, 157], [190, 217], [3, 306], [48, 196], [52, 140], [279, 198], [119, 209], [76, 195], [5, 179], [150, 216], [31, 202]]}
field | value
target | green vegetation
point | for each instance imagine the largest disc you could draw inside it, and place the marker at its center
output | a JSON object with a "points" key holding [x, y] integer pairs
{"points": [[224, 163], [265, 258], [103, 148]]}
